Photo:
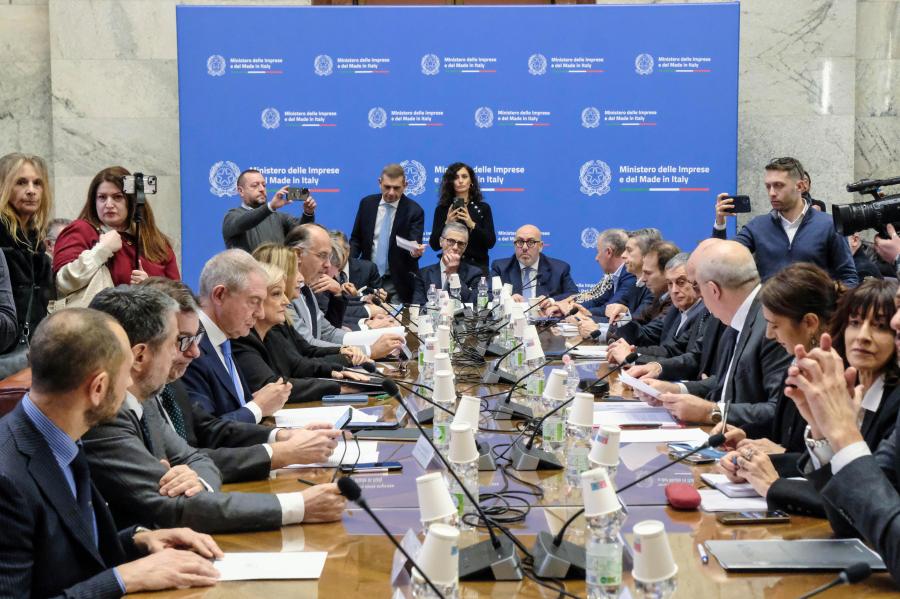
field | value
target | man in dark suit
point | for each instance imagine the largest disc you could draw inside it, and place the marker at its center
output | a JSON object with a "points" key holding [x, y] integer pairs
{"points": [[380, 219], [531, 273], [750, 381], [454, 239], [147, 472], [359, 280], [59, 537]]}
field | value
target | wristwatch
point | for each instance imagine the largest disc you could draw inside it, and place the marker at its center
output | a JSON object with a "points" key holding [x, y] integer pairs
{"points": [[814, 444], [715, 415]]}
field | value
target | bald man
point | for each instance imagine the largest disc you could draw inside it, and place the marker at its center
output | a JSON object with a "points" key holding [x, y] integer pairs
{"points": [[750, 381], [532, 273]]}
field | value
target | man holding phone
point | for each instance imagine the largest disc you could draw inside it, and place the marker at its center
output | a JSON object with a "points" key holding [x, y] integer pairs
{"points": [[257, 220], [792, 231]]}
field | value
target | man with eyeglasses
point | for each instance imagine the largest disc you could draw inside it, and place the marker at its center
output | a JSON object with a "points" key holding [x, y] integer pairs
{"points": [[454, 240], [531, 273], [792, 231]]}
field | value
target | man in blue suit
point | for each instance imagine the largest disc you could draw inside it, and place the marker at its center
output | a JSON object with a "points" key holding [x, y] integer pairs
{"points": [[58, 534], [616, 283], [531, 273], [380, 219], [454, 239], [232, 289]]}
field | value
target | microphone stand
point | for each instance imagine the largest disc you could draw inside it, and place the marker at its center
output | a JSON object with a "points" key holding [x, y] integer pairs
{"points": [[494, 559], [494, 375], [555, 558], [425, 415]]}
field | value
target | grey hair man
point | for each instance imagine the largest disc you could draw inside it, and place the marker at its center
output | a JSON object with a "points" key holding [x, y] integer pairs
{"points": [[454, 240]]}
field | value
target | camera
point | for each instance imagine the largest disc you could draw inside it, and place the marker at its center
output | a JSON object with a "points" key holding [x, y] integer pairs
{"points": [[875, 214], [137, 181]]}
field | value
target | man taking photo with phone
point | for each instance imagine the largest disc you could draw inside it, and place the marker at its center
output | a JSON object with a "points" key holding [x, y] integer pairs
{"points": [[792, 231]]}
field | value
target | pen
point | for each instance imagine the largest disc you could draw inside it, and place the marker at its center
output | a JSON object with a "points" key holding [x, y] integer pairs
{"points": [[307, 482], [703, 557]]}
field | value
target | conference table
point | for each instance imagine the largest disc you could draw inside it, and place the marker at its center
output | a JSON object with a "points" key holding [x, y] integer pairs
{"points": [[360, 558]]}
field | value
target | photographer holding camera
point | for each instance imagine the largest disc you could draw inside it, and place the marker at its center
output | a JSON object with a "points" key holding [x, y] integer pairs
{"points": [[257, 220], [880, 214], [98, 249]]}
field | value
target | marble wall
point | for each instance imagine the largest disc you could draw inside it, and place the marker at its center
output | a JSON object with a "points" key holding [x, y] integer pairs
{"points": [[89, 83]]}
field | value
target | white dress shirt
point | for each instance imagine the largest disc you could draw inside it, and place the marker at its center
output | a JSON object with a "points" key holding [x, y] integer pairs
{"points": [[738, 322], [216, 338], [790, 227], [379, 218]]}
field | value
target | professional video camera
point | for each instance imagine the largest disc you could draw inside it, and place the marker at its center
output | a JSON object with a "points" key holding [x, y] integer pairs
{"points": [[884, 209]]}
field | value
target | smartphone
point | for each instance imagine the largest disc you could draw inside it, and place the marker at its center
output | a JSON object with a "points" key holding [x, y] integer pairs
{"points": [[741, 203], [297, 194], [457, 203], [768, 517], [346, 398], [372, 467], [382, 426], [710, 454]]}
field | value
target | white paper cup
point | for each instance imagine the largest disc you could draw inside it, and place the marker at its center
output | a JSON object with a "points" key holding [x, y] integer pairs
{"points": [[414, 313], [462, 443], [496, 284], [598, 493], [653, 559], [442, 361], [434, 497], [507, 289], [530, 332], [556, 385], [519, 326], [425, 327], [430, 349], [533, 349], [605, 446], [469, 412], [444, 389], [582, 411], [439, 557], [443, 338], [454, 281]]}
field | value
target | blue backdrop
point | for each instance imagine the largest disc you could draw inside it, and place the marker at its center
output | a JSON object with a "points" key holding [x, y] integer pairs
{"points": [[576, 118]]}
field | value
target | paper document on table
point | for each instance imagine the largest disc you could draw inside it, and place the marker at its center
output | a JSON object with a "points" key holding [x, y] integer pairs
{"points": [[367, 452], [712, 500], [406, 244], [637, 384], [721, 482], [589, 351], [663, 435], [370, 336], [270, 566], [628, 413], [300, 417]]}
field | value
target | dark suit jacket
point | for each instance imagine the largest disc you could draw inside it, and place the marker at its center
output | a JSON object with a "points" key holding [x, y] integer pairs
{"points": [[700, 357], [364, 273], [553, 279], [656, 331], [671, 344], [234, 447], [409, 223], [262, 363], [209, 384], [469, 277], [638, 298], [597, 306], [47, 547], [481, 239]]}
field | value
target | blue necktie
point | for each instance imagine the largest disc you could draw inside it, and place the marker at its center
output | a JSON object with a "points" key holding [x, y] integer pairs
{"points": [[232, 371], [528, 283], [384, 240], [82, 474]]}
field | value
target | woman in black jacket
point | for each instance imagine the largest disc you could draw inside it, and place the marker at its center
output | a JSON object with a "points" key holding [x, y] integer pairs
{"points": [[460, 182], [270, 351], [25, 202]]}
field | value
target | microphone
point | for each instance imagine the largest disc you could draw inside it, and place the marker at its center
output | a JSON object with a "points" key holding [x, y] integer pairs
{"points": [[554, 558], [629, 359], [524, 412], [425, 414], [494, 375], [850, 575], [527, 457], [377, 301], [491, 559], [351, 491]]}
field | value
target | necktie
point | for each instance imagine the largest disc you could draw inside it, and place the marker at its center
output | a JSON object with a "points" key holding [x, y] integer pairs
{"points": [[605, 284], [232, 371], [312, 306], [82, 474], [528, 282], [145, 430], [170, 405], [384, 239]]}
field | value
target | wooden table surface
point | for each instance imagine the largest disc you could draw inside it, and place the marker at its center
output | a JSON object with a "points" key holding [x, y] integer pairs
{"points": [[359, 565]]}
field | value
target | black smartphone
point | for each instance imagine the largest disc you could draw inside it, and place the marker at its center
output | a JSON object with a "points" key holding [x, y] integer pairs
{"points": [[457, 203], [754, 517], [297, 194], [741, 203], [373, 467], [382, 426]]}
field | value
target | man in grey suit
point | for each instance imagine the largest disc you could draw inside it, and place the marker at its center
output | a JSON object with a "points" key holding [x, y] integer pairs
{"points": [[240, 450], [312, 243], [148, 473]]}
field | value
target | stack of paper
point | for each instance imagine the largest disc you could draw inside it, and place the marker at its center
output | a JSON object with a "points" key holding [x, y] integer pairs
{"points": [[347, 454], [637, 384], [631, 413], [300, 417], [593, 352], [271, 566], [663, 435], [712, 500], [730, 489], [370, 336]]}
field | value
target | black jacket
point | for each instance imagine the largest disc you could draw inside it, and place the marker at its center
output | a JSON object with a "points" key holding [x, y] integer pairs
{"points": [[672, 344], [481, 239], [28, 270]]}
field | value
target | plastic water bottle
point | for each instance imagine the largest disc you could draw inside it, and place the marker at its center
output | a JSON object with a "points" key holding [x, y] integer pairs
{"points": [[468, 473], [578, 446], [482, 300], [603, 555], [535, 386], [553, 431], [572, 378], [421, 590], [656, 590], [441, 426], [432, 306]]}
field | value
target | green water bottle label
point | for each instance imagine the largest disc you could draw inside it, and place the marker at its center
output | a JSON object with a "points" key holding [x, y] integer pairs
{"points": [[554, 430], [440, 433], [603, 564]]}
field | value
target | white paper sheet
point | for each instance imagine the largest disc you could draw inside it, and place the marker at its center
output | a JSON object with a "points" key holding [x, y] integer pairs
{"points": [[730, 489], [299, 417], [589, 351], [370, 336], [631, 414], [368, 452], [637, 384], [662, 435], [712, 500], [271, 566], [406, 244]]}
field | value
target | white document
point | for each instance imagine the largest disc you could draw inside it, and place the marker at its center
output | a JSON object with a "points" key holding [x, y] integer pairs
{"points": [[663, 435], [712, 500], [632, 414], [589, 351], [300, 417], [637, 384], [271, 566], [406, 244], [370, 336], [367, 452], [730, 489]]}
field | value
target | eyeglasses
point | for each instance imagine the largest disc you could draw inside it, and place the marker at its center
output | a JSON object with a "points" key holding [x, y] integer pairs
{"points": [[455, 243], [530, 243], [186, 342]]}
